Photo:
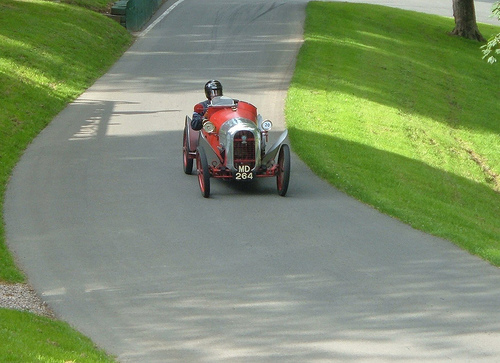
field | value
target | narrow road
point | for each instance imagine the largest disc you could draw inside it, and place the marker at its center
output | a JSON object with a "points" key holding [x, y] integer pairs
{"points": [[121, 244]]}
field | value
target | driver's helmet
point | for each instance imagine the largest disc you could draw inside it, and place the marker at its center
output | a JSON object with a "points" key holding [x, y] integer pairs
{"points": [[213, 89]]}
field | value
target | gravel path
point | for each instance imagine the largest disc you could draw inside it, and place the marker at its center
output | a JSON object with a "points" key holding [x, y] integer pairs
{"points": [[23, 297]]}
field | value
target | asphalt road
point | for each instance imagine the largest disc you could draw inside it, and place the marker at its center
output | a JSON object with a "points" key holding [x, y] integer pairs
{"points": [[121, 244]]}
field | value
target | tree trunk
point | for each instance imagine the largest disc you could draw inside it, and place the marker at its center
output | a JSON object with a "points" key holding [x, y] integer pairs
{"points": [[465, 20]]}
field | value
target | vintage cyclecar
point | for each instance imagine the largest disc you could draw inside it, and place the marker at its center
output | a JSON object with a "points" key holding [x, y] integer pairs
{"points": [[232, 145]]}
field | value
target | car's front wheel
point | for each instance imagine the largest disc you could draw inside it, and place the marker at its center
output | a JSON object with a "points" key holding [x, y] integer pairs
{"points": [[283, 175]]}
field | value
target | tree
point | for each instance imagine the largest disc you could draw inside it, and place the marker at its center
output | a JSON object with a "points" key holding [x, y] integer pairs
{"points": [[465, 20], [493, 45]]}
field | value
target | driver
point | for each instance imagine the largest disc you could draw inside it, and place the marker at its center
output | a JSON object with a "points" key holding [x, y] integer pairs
{"points": [[213, 88]]}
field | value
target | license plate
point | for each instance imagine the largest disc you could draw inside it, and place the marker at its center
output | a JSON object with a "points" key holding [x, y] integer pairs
{"points": [[244, 173]]}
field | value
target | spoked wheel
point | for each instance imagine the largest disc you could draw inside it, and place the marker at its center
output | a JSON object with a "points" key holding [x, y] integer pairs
{"points": [[187, 161], [283, 176], [203, 172]]}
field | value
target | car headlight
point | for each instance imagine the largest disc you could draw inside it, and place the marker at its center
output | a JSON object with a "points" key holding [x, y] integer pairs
{"points": [[209, 127], [266, 125]]}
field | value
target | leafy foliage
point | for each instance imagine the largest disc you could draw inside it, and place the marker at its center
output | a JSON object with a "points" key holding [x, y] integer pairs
{"points": [[492, 49]]}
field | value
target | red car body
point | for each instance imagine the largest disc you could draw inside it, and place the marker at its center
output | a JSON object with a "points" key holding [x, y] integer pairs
{"points": [[232, 146]]}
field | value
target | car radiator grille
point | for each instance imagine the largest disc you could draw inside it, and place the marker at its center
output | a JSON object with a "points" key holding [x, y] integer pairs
{"points": [[244, 149]]}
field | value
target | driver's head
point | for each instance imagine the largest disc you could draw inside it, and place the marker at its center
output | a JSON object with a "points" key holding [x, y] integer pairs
{"points": [[213, 89]]}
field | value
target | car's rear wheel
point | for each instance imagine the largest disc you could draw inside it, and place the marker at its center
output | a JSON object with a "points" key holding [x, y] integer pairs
{"points": [[283, 175], [203, 172], [187, 161]]}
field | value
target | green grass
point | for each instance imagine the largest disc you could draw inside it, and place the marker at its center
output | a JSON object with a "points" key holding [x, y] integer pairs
{"points": [[96, 5], [389, 108], [49, 54], [31, 338], [383, 104]]}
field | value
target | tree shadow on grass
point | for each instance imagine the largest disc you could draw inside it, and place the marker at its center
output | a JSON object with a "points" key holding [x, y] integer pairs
{"points": [[390, 59]]}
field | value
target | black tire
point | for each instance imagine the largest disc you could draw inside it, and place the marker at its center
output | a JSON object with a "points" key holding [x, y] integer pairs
{"points": [[187, 162], [283, 175], [203, 172]]}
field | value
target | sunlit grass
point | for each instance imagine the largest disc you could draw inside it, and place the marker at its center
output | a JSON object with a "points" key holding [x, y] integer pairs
{"points": [[389, 108], [30, 338], [49, 54], [97, 5]]}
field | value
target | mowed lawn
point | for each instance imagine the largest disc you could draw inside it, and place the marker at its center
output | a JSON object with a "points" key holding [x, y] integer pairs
{"points": [[50, 52], [392, 110]]}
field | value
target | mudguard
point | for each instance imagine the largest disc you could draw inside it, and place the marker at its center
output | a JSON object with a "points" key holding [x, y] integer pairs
{"points": [[193, 135], [212, 157], [273, 151]]}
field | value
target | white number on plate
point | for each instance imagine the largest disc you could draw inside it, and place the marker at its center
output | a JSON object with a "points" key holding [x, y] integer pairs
{"points": [[244, 173]]}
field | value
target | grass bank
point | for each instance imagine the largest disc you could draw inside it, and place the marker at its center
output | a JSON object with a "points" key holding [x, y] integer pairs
{"points": [[101, 6], [390, 109], [31, 338], [50, 52]]}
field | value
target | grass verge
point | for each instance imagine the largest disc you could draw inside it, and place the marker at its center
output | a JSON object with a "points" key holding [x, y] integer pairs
{"points": [[390, 109], [50, 52], [31, 338], [102, 6]]}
